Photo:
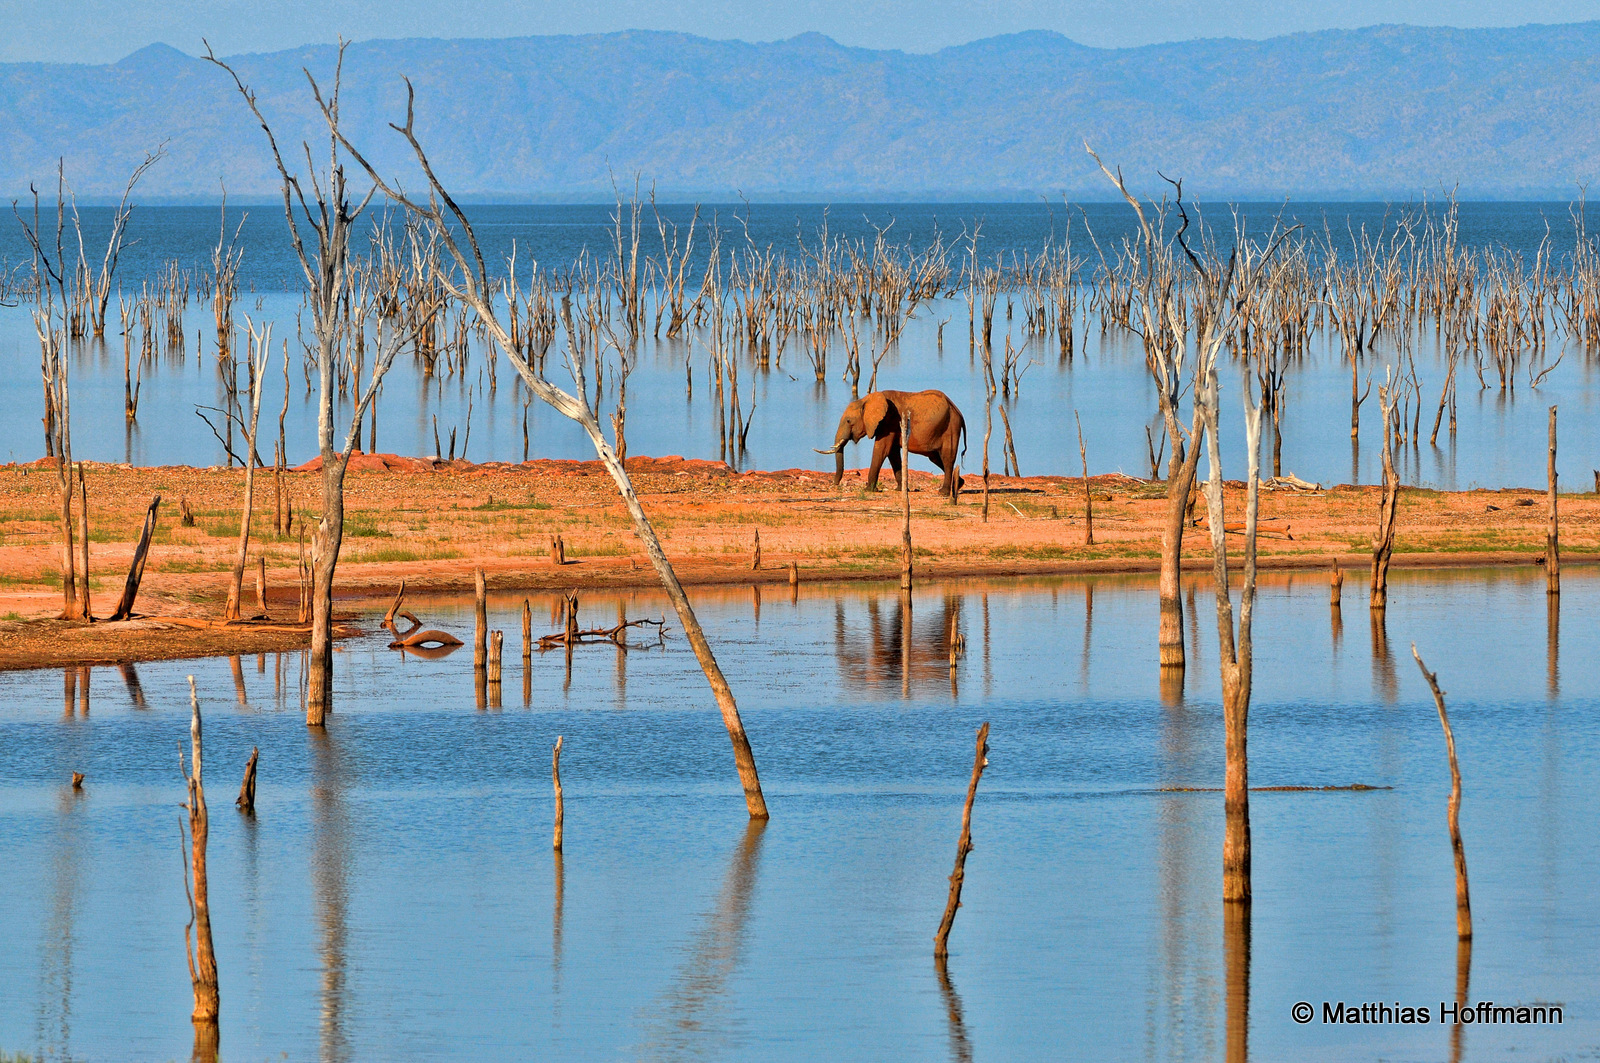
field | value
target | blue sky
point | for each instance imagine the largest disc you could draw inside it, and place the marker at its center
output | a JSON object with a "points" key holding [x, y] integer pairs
{"points": [[105, 30]]}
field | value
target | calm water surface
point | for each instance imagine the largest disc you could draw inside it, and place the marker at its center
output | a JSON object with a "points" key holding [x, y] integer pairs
{"points": [[1499, 441], [396, 895]]}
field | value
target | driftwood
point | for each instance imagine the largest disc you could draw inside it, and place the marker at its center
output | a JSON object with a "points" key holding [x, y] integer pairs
{"points": [[613, 635], [1265, 528], [416, 637], [570, 635]]}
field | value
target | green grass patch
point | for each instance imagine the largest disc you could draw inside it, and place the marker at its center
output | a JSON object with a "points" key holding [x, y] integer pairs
{"points": [[383, 554]]}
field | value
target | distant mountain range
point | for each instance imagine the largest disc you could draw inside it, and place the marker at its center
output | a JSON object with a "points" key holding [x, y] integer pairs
{"points": [[1385, 112]]}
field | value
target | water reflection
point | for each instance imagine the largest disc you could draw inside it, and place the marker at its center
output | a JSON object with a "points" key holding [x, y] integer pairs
{"points": [[329, 878], [691, 1012], [57, 945], [130, 679], [1463, 977], [1385, 686], [1552, 645], [960, 1043], [1236, 978], [894, 648]]}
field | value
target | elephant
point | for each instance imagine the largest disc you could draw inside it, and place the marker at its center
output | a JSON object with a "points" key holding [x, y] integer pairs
{"points": [[938, 432]]}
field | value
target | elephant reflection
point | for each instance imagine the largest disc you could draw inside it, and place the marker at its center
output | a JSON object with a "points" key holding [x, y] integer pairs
{"points": [[878, 656]]}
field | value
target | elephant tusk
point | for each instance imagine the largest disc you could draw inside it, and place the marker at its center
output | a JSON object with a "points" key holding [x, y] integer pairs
{"points": [[830, 450]]}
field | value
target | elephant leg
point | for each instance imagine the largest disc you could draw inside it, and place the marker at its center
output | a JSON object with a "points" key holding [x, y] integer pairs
{"points": [[943, 466], [880, 451], [894, 463]]}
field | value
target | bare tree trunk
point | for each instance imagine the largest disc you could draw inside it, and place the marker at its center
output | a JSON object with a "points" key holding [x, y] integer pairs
{"points": [[473, 287], [84, 608], [905, 506], [1463, 898], [1383, 538], [130, 589], [941, 940], [1088, 498], [258, 354], [555, 778], [1180, 482], [247, 789], [202, 959], [480, 623], [1552, 536]]}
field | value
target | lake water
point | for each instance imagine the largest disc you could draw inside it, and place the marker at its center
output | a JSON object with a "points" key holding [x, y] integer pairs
{"points": [[1499, 441], [396, 895]]}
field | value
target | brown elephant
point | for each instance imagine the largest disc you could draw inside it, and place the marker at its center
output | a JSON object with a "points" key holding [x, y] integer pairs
{"points": [[938, 433]]}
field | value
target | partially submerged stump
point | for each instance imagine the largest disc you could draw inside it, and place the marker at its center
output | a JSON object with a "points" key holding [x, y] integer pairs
{"points": [[941, 940], [246, 800]]}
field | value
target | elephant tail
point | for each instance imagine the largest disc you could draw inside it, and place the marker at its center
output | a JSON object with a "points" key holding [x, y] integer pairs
{"points": [[963, 442]]}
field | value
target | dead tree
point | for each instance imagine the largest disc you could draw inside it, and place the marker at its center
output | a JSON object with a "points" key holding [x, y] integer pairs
{"points": [[980, 760], [555, 778], [1222, 291], [119, 224], [1165, 334], [130, 589], [905, 504], [1552, 535], [1453, 811], [247, 788], [1088, 499], [330, 215], [260, 349], [1383, 537], [469, 282], [50, 322], [202, 959]]}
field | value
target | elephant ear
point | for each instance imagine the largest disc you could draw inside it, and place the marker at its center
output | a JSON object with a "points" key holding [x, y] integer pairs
{"points": [[875, 413]]}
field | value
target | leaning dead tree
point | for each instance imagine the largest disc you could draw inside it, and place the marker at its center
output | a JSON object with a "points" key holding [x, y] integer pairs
{"points": [[330, 215], [1453, 810], [469, 283]]}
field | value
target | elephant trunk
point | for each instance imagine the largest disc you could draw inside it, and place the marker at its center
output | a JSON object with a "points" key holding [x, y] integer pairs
{"points": [[842, 437]]}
